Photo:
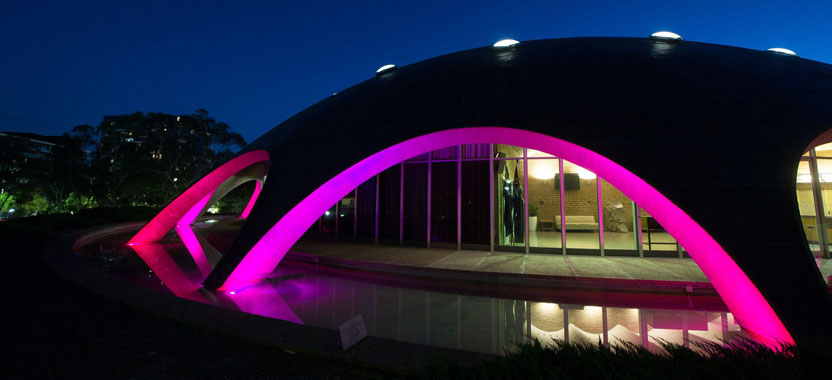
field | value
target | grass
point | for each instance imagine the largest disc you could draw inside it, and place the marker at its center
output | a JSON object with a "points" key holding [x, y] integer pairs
{"points": [[739, 359]]}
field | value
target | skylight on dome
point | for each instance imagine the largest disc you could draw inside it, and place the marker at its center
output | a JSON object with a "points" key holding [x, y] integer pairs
{"points": [[665, 36], [505, 43], [782, 51], [385, 68]]}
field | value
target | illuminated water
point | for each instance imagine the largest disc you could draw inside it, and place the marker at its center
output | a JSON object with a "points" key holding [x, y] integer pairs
{"points": [[474, 317]]}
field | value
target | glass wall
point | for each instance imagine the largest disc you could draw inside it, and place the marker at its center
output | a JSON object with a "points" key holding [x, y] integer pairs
{"points": [[415, 194], [509, 198], [806, 205], [581, 208], [510, 204], [814, 198], [389, 204], [655, 240], [443, 202], [544, 203], [366, 211], [619, 219], [346, 217], [475, 203]]}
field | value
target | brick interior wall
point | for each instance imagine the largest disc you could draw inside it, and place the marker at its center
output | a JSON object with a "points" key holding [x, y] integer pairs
{"points": [[546, 197]]}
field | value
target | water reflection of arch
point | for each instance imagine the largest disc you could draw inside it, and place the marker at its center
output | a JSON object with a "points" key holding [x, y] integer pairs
{"points": [[736, 289]]}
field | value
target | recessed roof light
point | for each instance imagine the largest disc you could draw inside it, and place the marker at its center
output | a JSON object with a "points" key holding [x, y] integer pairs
{"points": [[385, 69], [665, 36], [782, 51], [505, 43]]}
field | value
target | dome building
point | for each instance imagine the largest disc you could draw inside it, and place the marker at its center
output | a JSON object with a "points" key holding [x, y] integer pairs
{"points": [[582, 146]]}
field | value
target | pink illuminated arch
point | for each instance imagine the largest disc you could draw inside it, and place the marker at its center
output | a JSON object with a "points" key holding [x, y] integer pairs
{"points": [[744, 300], [190, 204]]}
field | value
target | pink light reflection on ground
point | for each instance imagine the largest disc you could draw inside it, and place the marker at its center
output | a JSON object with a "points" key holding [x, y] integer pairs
{"points": [[264, 300], [744, 300], [160, 262], [176, 210], [257, 187]]}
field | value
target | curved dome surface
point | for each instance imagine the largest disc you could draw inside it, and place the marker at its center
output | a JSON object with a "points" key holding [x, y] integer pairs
{"points": [[717, 130]]}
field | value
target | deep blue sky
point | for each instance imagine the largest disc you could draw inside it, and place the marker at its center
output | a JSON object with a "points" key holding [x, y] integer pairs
{"points": [[254, 65]]}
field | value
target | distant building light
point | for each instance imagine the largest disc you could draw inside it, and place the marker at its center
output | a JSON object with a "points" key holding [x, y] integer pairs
{"points": [[783, 51], [326, 213], [177, 119], [175, 179], [505, 43], [665, 36], [385, 69]]}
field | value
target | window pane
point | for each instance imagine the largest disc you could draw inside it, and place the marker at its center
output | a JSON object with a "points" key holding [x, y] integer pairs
{"points": [[507, 151], [531, 153], [547, 321], [328, 223], [824, 150], [389, 204], [449, 153], [618, 219], [415, 204], [475, 200], [509, 210], [654, 238], [443, 202], [623, 326], [475, 151], [367, 210], [806, 205], [544, 203], [825, 179], [586, 324], [581, 207], [346, 217]]}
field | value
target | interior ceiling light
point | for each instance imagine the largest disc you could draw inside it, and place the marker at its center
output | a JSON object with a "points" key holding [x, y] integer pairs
{"points": [[665, 36], [782, 51], [385, 69], [505, 43]]}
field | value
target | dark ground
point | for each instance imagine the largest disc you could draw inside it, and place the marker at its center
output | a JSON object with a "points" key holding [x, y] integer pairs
{"points": [[52, 328]]}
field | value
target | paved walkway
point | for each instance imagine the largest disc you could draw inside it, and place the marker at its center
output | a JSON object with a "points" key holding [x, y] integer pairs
{"points": [[660, 269]]}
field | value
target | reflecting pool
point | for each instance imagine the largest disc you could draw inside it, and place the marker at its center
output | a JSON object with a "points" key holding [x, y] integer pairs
{"points": [[474, 317]]}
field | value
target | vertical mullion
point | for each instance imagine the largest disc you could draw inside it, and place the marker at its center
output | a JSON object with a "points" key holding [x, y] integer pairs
{"points": [[526, 196], [562, 207], [605, 327], [818, 197], [378, 187], [337, 216], [640, 237], [491, 196], [355, 215], [401, 204], [430, 167], [459, 198], [600, 215]]}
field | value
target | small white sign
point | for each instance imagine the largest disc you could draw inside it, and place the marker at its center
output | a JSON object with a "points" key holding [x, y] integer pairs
{"points": [[352, 331]]}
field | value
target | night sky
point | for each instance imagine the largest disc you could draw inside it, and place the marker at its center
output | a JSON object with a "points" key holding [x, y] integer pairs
{"points": [[254, 65]]}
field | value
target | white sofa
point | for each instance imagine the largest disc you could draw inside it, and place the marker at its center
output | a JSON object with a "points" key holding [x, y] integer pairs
{"points": [[578, 223]]}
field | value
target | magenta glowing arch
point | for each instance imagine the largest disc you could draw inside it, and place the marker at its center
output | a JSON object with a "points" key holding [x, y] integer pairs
{"points": [[187, 206], [257, 187], [741, 296]]}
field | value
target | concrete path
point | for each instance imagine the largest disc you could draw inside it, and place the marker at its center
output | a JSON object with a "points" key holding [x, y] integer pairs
{"points": [[634, 268]]}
